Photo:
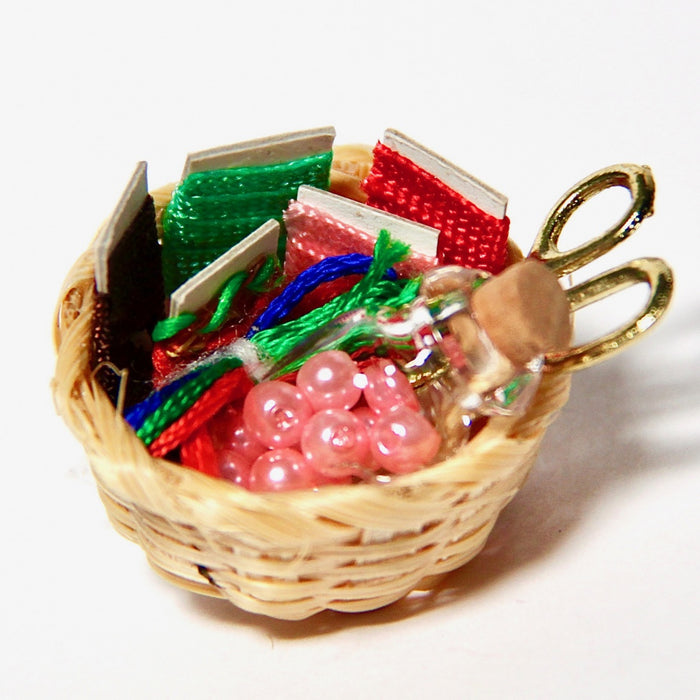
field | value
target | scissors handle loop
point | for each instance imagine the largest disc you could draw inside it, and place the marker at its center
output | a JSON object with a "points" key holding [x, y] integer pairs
{"points": [[651, 271], [635, 178]]}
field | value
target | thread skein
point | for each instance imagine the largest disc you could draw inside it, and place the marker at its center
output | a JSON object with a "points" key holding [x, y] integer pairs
{"points": [[214, 210]]}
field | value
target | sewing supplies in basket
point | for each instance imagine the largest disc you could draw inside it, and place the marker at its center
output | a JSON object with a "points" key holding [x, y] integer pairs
{"points": [[353, 357], [350, 345]]}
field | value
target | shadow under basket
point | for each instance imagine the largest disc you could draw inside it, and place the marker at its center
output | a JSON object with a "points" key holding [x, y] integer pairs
{"points": [[290, 555]]}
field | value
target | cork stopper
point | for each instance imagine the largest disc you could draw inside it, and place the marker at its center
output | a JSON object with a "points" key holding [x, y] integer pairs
{"points": [[524, 311]]}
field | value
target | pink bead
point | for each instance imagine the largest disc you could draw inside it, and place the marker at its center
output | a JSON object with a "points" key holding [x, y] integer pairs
{"points": [[282, 470], [329, 380], [275, 413], [387, 387], [234, 467], [336, 443], [366, 415], [229, 432], [403, 441]]}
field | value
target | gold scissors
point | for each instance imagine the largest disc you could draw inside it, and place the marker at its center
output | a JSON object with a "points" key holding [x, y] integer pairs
{"points": [[653, 272]]}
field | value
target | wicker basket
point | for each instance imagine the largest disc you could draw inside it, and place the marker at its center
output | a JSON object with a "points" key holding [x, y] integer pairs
{"points": [[290, 555]]}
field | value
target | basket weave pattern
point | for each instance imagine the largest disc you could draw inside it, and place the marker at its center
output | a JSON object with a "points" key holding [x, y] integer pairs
{"points": [[290, 555]]}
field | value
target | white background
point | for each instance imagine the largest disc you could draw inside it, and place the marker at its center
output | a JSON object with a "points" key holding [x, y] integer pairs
{"points": [[588, 585]]}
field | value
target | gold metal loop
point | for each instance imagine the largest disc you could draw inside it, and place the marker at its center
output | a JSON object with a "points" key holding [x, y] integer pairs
{"points": [[635, 178], [651, 271]]}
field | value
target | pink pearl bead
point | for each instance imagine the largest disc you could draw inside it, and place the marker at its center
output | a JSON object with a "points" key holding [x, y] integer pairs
{"points": [[336, 443], [229, 432], [403, 441], [366, 415], [388, 388], [328, 380], [282, 470], [275, 413], [234, 467]]}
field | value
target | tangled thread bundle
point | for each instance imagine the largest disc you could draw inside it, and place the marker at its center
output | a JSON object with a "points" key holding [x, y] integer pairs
{"points": [[168, 404]]}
